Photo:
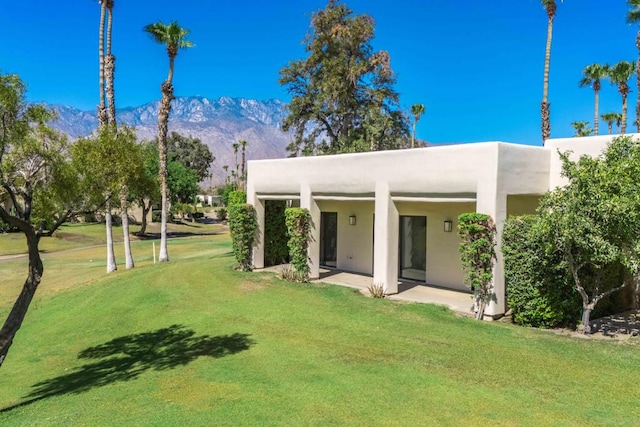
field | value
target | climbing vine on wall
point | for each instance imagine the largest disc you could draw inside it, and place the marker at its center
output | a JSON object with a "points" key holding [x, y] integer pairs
{"points": [[299, 225], [477, 255]]}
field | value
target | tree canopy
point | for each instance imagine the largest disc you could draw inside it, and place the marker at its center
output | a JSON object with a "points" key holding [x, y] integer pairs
{"points": [[191, 152], [38, 180], [595, 219], [343, 98]]}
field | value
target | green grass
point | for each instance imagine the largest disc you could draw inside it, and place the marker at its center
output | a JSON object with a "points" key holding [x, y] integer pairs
{"points": [[81, 235], [249, 349]]}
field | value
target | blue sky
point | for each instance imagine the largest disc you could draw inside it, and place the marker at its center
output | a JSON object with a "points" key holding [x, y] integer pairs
{"points": [[476, 65]]}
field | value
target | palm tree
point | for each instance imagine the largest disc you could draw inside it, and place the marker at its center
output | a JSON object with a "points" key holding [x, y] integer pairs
{"points": [[110, 66], [417, 110], [619, 75], [103, 122], [236, 146], [243, 143], [550, 8], [581, 129], [612, 118], [226, 173], [633, 17], [591, 76], [173, 37], [102, 110]]}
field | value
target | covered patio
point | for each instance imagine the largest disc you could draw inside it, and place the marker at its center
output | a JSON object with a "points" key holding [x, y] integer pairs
{"points": [[458, 301]]}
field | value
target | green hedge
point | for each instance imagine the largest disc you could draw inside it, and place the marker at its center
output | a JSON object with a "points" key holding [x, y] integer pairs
{"points": [[243, 226], [539, 288], [276, 250], [299, 224]]}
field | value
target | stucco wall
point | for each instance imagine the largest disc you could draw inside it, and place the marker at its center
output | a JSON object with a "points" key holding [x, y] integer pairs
{"points": [[443, 259], [355, 242], [591, 145], [522, 204]]}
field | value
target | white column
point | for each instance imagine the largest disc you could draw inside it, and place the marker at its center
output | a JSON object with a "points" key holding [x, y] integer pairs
{"points": [[307, 201], [385, 248], [491, 202], [258, 246]]}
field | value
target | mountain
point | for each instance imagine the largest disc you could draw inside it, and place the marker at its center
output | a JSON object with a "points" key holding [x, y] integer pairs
{"points": [[216, 122]]}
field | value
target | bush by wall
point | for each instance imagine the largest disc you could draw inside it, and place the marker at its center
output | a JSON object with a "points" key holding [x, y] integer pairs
{"points": [[237, 197], [243, 226], [477, 256], [299, 224], [276, 250], [538, 285]]}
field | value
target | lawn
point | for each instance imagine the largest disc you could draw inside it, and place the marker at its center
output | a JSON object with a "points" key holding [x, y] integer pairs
{"points": [[193, 342]]}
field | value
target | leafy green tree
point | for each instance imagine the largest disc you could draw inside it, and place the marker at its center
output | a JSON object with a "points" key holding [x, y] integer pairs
{"points": [[581, 129], [146, 189], [612, 118], [595, 220], [174, 38], [107, 163], [619, 75], [417, 110], [633, 17], [183, 183], [191, 152], [40, 182], [591, 76], [341, 86], [550, 7]]}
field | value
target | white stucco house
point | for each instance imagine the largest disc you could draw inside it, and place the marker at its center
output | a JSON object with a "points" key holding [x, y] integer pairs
{"points": [[393, 214]]}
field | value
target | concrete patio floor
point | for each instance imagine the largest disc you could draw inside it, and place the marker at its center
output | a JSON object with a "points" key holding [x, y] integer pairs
{"points": [[458, 301]]}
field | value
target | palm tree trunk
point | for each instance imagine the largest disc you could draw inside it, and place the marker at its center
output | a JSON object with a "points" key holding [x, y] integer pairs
{"points": [[413, 135], [102, 112], [623, 126], [610, 127], [638, 82], [595, 116], [111, 258], [545, 106], [110, 69], [244, 177], [163, 125], [19, 310], [125, 228]]}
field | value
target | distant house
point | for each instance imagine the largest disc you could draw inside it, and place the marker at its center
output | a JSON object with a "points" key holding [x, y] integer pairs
{"points": [[393, 214], [209, 200]]}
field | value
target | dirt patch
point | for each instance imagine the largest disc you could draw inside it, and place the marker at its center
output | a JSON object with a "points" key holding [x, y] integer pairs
{"points": [[621, 326], [252, 286]]}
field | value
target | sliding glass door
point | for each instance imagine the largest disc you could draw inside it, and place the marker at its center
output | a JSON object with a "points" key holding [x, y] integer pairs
{"points": [[413, 248], [328, 239]]}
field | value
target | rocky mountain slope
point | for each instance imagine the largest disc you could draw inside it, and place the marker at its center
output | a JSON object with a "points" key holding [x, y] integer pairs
{"points": [[218, 123]]}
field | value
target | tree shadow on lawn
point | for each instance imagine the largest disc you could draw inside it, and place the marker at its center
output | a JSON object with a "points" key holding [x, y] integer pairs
{"points": [[125, 358]]}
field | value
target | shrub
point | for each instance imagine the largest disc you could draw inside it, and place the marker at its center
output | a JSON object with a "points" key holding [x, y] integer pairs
{"points": [[275, 233], [376, 290], [477, 255], [237, 197], [289, 274], [538, 285], [243, 226], [156, 216], [298, 222], [221, 214]]}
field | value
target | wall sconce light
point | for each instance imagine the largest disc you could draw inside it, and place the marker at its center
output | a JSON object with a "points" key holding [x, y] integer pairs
{"points": [[448, 226], [352, 220]]}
